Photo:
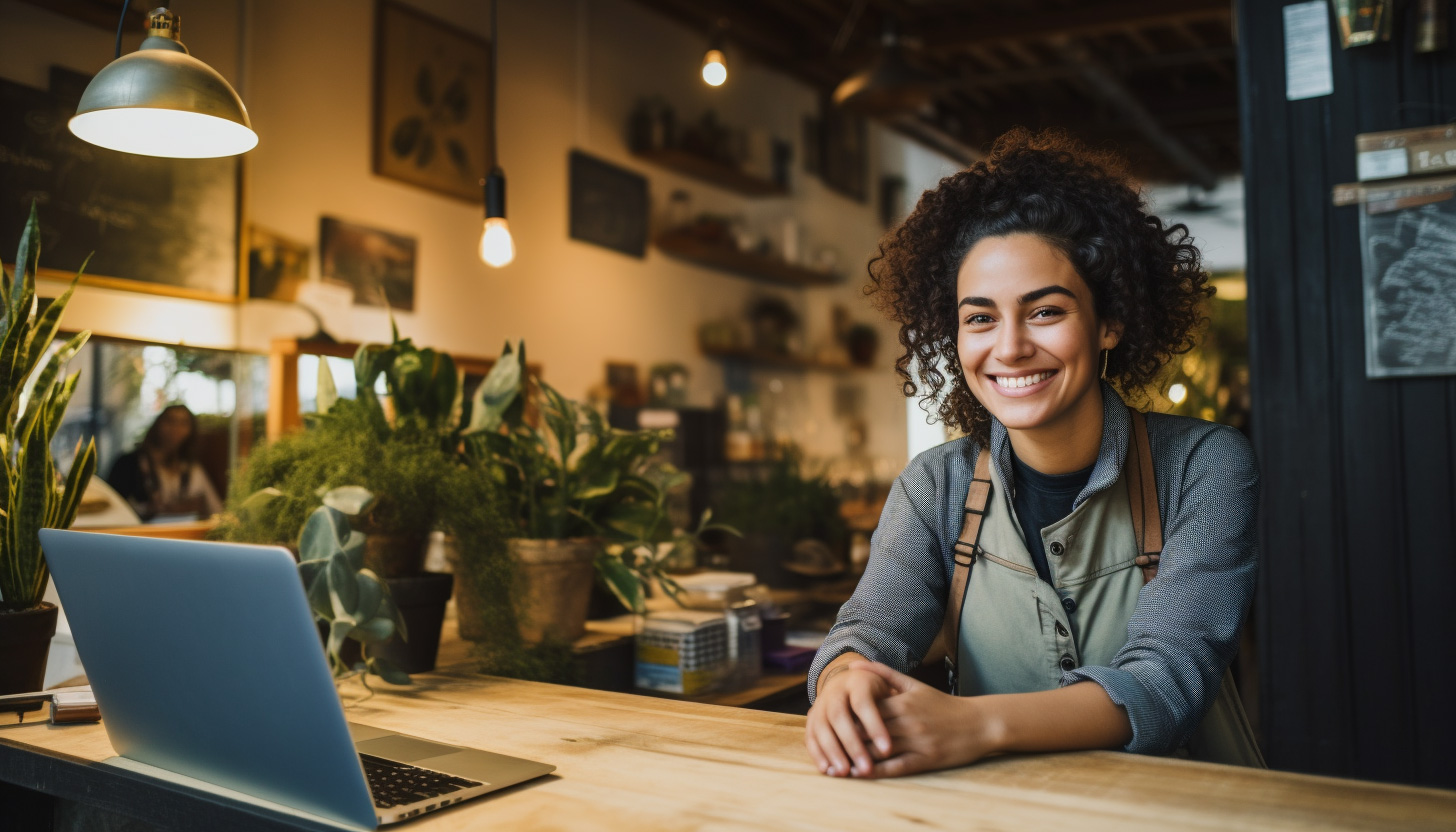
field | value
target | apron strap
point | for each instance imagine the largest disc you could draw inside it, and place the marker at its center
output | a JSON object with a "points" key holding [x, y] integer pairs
{"points": [[978, 496], [1142, 498]]}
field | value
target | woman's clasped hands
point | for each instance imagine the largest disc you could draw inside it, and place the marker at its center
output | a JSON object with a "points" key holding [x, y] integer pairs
{"points": [[870, 720]]}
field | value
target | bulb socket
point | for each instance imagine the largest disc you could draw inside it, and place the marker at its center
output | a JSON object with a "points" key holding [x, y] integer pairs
{"points": [[495, 193]]}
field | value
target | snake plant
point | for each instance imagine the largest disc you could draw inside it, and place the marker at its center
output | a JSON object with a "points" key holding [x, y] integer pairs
{"points": [[33, 399]]}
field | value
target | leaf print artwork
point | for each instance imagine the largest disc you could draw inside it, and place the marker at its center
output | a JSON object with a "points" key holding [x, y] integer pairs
{"points": [[432, 95]]}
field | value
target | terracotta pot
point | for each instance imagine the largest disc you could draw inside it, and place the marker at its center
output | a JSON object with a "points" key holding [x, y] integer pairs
{"points": [[552, 589], [25, 643], [395, 555], [553, 586]]}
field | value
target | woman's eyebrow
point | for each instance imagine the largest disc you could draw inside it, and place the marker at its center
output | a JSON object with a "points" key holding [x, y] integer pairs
{"points": [[1029, 297]]}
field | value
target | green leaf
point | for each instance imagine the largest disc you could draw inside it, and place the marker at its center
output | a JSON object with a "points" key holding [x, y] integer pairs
{"points": [[372, 631], [338, 631], [82, 469], [328, 392], [349, 499], [370, 594], [342, 587], [621, 582], [320, 537], [319, 599], [387, 671], [497, 392]]}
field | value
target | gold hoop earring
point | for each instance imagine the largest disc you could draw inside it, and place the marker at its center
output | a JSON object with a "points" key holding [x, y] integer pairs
{"points": [[1106, 356]]}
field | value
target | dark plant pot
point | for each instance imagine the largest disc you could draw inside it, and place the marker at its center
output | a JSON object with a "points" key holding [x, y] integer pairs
{"points": [[603, 604], [395, 555], [25, 643], [421, 600]]}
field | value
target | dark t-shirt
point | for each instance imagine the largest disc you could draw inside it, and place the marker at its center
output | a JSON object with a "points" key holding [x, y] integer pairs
{"points": [[1041, 500]]}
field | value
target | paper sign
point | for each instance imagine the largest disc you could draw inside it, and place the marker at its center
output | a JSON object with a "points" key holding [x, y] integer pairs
{"points": [[1307, 70], [1381, 164]]}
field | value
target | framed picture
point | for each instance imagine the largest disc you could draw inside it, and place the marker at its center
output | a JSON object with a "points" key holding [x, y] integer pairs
{"points": [[622, 381], [379, 266], [432, 104], [1408, 248], [165, 226], [277, 266], [608, 205], [844, 152]]}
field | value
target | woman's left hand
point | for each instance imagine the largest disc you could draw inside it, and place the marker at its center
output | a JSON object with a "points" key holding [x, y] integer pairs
{"points": [[930, 729]]}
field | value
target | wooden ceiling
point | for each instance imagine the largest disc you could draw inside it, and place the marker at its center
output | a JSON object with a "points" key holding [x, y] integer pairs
{"points": [[1154, 79]]}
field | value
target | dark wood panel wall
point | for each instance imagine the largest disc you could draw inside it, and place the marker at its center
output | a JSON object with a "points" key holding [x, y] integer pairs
{"points": [[1357, 593]]}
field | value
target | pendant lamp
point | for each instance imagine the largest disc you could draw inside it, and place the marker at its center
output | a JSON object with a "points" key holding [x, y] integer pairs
{"points": [[715, 63], [496, 246], [161, 101], [889, 86]]}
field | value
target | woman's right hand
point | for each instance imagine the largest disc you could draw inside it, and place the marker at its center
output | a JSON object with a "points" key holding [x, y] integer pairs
{"points": [[845, 733]]}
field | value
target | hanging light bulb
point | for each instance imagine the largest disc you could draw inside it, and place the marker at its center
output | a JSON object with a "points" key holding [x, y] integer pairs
{"points": [[496, 246], [715, 68], [161, 101], [715, 64]]}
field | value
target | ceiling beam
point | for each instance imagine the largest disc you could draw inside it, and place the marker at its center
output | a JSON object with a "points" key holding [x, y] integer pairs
{"points": [[1074, 22]]}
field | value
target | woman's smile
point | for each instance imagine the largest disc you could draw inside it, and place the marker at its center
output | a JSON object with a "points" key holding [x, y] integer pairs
{"points": [[1022, 384]]}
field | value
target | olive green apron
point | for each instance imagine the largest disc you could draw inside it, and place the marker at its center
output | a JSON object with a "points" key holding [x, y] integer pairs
{"points": [[1016, 633]]}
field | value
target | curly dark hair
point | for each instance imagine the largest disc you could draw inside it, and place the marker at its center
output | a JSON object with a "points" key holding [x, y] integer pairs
{"points": [[1144, 275]]}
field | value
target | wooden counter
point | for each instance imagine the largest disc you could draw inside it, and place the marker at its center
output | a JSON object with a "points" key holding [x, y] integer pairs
{"points": [[633, 762]]}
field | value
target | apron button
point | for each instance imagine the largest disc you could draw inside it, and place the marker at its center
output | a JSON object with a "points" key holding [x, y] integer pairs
{"points": [[1068, 664], [1070, 605], [1061, 631], [1057, 548]]}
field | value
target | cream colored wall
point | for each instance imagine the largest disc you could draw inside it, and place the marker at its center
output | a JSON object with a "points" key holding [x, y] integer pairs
{"points": [[306, 76]]}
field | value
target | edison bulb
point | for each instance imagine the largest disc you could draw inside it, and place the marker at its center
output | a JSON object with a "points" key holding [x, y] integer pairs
{"points": [[1177, 393], [715, 68], [496, 246]]}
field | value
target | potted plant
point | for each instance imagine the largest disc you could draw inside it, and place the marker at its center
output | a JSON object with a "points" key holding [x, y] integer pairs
{"points": [[34, 497], [348, 600], [404, 451], [778, 511], [585, 498]]}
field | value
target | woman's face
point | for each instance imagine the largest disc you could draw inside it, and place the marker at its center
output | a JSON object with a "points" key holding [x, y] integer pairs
{"points": [[176, 426], [1028, 335]]}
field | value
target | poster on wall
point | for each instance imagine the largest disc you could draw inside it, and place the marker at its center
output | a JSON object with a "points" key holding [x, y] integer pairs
{"points": [[431, 102], [277, 266], [608, 205], [378, 266], [1408, 240], [165, 226]]}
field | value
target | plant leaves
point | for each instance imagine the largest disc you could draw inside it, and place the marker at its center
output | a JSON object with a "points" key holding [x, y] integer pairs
{"points": [[342, 588], [328, 392], [371, 594], [406, 136], [385, 670], [456, 151], [320, 538], [349, 499], [621, 582], [372, 631], [501, 387], [455, 100]]}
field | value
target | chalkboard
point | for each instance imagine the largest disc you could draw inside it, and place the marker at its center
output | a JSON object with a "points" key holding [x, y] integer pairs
{"points": [[168, 226], [1410, 285], [608, 205]]}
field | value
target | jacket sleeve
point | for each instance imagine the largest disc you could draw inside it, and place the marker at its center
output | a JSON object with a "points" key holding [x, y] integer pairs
{"points": [[896, 609], [1184, 630]]}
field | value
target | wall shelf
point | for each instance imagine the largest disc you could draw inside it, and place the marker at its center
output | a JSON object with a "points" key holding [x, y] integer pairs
{"points": [[742, 263], [707, 170], [772, 359]]}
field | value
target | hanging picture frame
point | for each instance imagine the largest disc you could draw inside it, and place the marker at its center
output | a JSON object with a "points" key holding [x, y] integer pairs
{"points": [[148, 224], [608, 205], [432, 105]]}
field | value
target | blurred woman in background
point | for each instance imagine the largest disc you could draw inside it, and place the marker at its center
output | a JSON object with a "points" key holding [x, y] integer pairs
{"points": [[161, 477]]}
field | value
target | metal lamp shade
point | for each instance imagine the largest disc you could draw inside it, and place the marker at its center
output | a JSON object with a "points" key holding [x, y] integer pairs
{"points": [[889, 86], [161, 101]]}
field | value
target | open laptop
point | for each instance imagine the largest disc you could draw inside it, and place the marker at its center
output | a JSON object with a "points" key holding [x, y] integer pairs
{"points": [[205, 661]]}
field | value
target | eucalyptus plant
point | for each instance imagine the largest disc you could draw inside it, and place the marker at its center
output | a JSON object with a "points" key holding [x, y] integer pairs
{"points": [[345, 596], [33, 400]]}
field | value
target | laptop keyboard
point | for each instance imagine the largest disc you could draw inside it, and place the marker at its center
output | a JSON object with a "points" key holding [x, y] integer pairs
{"points": [[397, 784]]}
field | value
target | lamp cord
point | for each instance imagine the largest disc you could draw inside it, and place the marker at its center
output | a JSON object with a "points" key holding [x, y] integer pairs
{"points": [[494, 60], [121, 24]]}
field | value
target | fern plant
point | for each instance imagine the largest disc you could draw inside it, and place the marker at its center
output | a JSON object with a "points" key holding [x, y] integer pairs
{"points": [[32, 497]]}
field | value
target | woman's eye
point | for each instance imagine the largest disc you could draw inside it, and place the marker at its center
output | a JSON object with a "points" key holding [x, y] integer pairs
{"points": [[1046, 312], [978, 320]]}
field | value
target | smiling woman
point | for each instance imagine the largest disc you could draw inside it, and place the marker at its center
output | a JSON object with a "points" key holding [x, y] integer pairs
{"points": [[1090, 592]]}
